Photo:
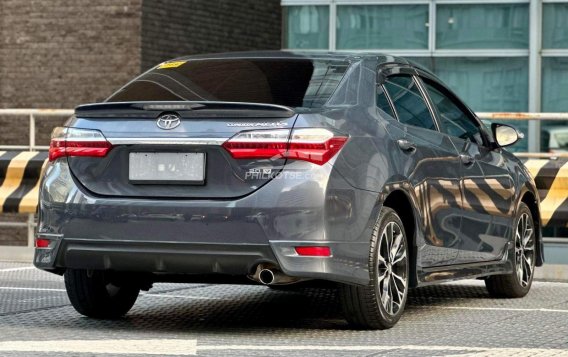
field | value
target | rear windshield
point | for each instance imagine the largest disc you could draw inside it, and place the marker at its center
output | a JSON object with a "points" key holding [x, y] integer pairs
{"points": [[291, 82]]}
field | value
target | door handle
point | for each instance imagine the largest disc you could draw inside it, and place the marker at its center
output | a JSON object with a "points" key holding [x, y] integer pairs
{"points": [[466, 159], [406, 145]]}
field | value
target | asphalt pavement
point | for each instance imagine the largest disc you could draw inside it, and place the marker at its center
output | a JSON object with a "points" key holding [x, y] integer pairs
{"points": [[454, 319]]}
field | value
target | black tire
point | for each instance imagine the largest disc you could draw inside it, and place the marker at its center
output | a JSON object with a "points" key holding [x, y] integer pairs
{"points": [[362, 305], [515, 285], [94, 294]]}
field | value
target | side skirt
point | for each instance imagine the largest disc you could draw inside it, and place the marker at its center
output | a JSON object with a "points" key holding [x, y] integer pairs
{"points": [[435, 275]]}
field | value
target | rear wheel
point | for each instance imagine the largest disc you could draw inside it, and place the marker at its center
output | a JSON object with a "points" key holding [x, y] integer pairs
{"points": [[380, 304], [100, 294], [518, 283]]}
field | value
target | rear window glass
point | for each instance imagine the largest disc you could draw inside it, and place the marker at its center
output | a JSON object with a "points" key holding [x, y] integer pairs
{"points": [[290, 82]]}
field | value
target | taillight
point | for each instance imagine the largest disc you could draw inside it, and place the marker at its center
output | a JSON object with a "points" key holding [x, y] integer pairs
{"points": [[77, 142], [316, 145], [258, 144]]}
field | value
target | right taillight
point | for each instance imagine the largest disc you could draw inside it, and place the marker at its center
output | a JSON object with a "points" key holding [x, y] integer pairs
{"points": [[316, 145], [77, 142]]}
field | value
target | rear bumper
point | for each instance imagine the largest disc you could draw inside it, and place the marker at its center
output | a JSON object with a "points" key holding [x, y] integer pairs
{"points": [[201, 236], [194, 258], [160, 257]]}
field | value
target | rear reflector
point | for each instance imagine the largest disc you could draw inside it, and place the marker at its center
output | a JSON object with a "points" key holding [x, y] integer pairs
{"points": [[42, 243], [77, 142], [314, 251], [316, 145]]}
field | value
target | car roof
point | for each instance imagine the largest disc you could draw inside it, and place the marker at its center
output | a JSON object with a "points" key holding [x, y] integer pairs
{"points": [[321, 55], [343, 56]]}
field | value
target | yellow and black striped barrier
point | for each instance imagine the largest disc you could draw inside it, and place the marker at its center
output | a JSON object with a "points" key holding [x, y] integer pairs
{"points": [[551, 178], [20, 173]]}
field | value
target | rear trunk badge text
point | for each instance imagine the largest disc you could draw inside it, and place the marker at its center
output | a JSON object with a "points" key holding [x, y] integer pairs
{"points": [[262, 124]]}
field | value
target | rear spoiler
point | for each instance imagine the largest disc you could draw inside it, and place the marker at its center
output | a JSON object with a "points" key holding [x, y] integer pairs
{"points": [[201, 109]]}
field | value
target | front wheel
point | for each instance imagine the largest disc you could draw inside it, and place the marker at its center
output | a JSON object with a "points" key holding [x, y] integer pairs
{"points": [[518, 283], [380, 304], [100, 294]]}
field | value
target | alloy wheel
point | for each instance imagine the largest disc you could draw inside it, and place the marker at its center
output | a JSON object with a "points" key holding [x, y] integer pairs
{"points": [[524, 250], [392, 268]]}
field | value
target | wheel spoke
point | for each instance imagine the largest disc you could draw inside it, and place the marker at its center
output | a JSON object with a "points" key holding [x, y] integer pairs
{"points": [[527, 236], [528, 267], [400, 258], [399, 278], [399, 293], [390, 237], [391, 310], [396, 246], [381, 278], [385, 292]]}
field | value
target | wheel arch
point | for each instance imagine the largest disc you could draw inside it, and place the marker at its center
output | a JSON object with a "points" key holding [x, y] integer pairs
{"points": [[531, 201]]}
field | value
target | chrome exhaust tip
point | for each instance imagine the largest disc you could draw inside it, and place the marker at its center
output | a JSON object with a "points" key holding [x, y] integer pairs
{"points": [[266, 276], [269, 274]]}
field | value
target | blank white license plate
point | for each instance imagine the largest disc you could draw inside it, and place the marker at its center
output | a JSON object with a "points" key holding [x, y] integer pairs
{"points": [[166, 168]]}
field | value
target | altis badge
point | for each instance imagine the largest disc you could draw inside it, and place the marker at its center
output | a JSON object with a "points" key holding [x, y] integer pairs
{"points": [[261, 124]]}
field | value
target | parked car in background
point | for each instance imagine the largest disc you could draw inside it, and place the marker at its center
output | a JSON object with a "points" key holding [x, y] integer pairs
{"points": [[554, 139], [278, 168]]}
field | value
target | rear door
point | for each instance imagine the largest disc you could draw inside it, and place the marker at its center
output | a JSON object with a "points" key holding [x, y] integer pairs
{"points": [[431, 164], [486, 183]]}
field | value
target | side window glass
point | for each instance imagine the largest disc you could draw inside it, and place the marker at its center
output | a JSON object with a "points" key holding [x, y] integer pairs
{"points": [[383, 102], [453, 120], [408, 102]]}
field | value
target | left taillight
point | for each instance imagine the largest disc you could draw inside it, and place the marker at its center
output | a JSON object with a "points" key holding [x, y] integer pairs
{"points": [[77, 142], [315, 145]]}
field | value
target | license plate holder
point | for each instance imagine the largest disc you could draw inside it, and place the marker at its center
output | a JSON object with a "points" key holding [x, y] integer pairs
{"points": [[166, 168]]}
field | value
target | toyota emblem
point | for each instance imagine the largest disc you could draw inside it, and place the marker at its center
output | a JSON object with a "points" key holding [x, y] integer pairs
{"points": [[168, 121]]}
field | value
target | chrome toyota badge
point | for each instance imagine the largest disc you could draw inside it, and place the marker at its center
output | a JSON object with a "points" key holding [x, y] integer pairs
{"points": [[168, 121]]}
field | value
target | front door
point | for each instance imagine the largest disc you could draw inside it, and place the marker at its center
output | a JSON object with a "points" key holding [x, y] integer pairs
{"points": [[486, 184]]}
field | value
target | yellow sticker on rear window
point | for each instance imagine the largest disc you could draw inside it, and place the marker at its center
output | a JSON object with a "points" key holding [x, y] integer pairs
{"points": [[174, 64]]}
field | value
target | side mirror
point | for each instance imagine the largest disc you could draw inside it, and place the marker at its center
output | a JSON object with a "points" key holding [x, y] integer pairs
{"points": [[505, 135]]}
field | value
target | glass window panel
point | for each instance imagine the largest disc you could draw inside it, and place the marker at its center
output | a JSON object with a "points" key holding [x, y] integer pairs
{"points": [[554, 84], [382, 26], [306, 27], [408, 102], [454, 120], [482, 26], [555, 25], [383, 103], [554, 99]]}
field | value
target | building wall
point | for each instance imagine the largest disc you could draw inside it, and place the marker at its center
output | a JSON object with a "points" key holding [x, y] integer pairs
{"points": [[59, 53], [173, 28]]}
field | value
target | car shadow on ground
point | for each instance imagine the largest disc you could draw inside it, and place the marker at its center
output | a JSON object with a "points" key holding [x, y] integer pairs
{"points": [[230, 309], [254, 310]]}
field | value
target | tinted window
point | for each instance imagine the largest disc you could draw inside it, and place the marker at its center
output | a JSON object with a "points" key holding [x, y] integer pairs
{"points": [[291, 82], [408, 102], [453, 120], [383, 102]]}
